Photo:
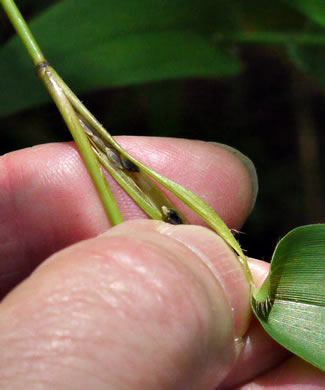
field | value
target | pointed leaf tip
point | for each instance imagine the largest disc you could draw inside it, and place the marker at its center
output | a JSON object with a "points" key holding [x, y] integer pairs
{"points": [[291, 303]]}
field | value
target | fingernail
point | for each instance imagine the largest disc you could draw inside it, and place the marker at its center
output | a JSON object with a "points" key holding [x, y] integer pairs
{"points": [[249, 166]]}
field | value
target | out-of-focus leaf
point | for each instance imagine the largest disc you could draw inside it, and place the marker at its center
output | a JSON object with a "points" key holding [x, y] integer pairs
{"points": [[268, 15], [273, 38], [314, 9], [96, 44], [310, 59], [291, 302]]}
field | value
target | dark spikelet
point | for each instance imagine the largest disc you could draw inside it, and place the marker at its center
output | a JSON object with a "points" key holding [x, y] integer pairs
{"points": [[173, 218], [129, 165]]}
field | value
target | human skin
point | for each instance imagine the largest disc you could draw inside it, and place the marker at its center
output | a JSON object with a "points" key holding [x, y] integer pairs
{"points": [[144, 305]]}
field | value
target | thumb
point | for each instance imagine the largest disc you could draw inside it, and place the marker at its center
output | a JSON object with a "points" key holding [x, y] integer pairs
{"points": [[144, 306]]}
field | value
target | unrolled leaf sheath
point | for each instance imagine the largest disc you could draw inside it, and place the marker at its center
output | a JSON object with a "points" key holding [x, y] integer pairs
{"points": [[50, 80]]}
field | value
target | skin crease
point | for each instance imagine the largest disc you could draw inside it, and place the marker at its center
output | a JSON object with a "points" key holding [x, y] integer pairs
{"points": [[144, 305]]}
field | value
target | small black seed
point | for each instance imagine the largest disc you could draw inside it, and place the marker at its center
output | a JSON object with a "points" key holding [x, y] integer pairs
{"points": [[173, 218], [129, 165]]}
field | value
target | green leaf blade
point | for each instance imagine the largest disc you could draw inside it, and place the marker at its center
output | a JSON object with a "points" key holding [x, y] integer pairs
{"points": [[310, 61], [294, 311], [314, 9], [115, 44]]}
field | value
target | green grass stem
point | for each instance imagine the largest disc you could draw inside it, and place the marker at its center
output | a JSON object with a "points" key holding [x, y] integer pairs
{"points": [[23, 31]]}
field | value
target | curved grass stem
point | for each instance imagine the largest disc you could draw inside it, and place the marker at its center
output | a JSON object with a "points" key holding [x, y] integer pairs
{"points": [[97, 147], [52, 81], [49, 78]]}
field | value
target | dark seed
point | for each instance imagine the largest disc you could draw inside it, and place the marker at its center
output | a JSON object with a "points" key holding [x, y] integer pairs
{"points": [[173, 218], [129, 165]]}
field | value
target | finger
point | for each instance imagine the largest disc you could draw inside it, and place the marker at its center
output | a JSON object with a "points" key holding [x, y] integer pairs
{"points": [[138, 307], [293, 374], [48, 200], [258, 352]]}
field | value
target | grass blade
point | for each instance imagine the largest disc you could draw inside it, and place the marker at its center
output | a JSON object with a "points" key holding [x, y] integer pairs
{"points": [[291, 303]]}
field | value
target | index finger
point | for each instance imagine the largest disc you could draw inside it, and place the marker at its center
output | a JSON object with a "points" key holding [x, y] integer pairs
{"points": [[48, 200]]}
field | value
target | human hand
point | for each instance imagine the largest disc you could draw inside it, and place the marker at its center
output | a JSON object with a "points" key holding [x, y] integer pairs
{"points": [[145, 305]]}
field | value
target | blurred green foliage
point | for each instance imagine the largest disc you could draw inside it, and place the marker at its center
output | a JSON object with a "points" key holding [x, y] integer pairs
{"points": [[250, 74]]}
